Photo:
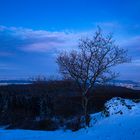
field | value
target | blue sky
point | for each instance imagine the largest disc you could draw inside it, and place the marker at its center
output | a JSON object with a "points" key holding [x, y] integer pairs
{"points": [[32, 32]]}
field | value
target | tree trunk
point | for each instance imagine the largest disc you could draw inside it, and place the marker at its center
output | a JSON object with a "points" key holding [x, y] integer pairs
{"points": [[85, 111], [85, 106]]}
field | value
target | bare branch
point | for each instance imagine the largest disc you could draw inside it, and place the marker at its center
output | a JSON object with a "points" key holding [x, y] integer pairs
{"points": [[92, 62]]}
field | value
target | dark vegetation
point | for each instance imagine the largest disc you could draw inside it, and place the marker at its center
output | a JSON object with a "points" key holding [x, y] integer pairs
{"points": [[52, 104]]}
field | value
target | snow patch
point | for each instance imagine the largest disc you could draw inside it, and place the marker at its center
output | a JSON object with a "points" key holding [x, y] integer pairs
{"points": [[122, 106]]}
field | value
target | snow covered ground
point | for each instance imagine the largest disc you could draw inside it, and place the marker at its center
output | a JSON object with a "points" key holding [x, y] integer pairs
{"points": [[122, 123]]}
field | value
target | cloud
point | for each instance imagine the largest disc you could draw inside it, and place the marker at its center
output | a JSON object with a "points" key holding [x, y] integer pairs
{"points": [[27, 52], [110, 26], [41, 47], [132, 43], [13, 39], [28, 40], [5, 54], [133, 46], [7, 66], [136, 62]]}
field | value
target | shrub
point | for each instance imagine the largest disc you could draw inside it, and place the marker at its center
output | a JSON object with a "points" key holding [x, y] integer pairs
{"points": [[47, 124], [74, 124]]}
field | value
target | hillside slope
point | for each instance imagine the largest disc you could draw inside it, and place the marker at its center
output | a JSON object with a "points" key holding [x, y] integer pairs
{"points": [[122, 123]]}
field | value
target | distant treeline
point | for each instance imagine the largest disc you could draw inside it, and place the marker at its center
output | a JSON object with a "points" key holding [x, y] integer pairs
{"points": [[52, 104]]}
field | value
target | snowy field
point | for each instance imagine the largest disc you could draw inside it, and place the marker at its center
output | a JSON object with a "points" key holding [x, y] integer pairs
{"points": [[123, 123]]}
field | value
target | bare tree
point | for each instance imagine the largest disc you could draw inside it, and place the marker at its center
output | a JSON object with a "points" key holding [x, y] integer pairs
{"points": [[91, 63]]}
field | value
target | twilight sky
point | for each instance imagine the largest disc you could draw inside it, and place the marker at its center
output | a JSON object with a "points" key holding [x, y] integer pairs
{"points": [[32, 32]]}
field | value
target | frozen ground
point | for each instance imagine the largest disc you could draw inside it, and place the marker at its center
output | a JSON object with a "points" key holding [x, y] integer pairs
{"points": [[123, 123]]}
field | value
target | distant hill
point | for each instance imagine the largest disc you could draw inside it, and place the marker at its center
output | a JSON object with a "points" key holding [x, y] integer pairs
{"points": [[8, 82], [123, 83], [126, 83]]}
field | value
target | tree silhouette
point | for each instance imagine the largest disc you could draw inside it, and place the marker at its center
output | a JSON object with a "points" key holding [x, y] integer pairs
{"points": [[91, 64]]}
